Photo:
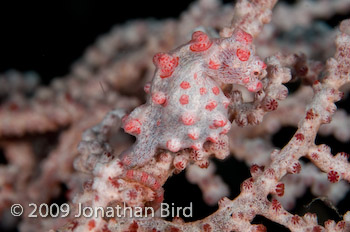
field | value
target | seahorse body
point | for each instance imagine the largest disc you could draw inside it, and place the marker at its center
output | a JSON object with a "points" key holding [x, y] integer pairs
{"points": [[186, 106]]}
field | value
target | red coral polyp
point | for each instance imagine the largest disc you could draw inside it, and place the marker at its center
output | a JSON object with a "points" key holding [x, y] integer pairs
{"points": [[333, 176], [279, 189]]}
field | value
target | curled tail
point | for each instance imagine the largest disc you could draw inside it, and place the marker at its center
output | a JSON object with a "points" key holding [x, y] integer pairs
{"points": [[144, 129]]}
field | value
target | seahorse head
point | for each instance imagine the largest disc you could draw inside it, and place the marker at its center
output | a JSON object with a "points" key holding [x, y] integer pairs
{"points": [[237, 63]]}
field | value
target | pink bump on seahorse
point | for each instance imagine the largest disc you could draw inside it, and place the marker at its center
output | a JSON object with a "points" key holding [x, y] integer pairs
{"points": [[186, 106]]}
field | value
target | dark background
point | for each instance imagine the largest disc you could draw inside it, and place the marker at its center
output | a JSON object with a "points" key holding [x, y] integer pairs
{"points": [[48, 36]]}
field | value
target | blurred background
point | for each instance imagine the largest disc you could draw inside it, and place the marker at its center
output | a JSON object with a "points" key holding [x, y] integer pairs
{"points": [[48, 36]]}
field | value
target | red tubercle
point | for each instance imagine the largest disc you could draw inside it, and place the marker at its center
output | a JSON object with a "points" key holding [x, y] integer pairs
{"points": [[220, 123], [262, 64], [133, 126], [188, 118], [244, 37], [166, 63], [185, 85], [215, 90], [202, 91], [243, 54], [159, 98], [200, 42], [184, 99], [193, 134], [211, 105], [246, 80]]}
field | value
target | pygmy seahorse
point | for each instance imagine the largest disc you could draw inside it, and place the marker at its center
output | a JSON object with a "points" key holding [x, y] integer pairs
{"points": [[186, 106]]}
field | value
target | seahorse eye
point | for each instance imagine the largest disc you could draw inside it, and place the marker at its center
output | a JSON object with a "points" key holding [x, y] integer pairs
{"points": [[256, 73]]}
